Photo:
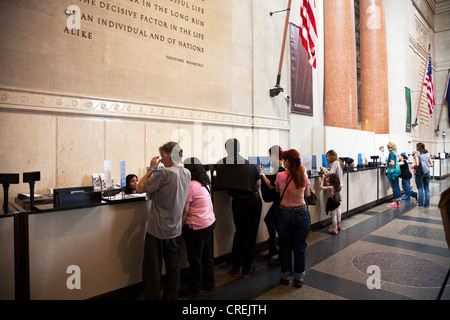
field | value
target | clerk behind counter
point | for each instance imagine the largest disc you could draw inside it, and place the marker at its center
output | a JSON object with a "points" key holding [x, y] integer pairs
{"points": [[131, 184]]}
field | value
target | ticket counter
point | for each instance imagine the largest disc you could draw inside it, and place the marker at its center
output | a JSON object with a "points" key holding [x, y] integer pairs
{"points": [[440, 168], [7, 273], [102, 244]]}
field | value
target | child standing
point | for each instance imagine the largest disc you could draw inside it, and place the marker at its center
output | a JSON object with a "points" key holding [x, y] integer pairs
{"points": [[333, 189], [406, 177]]}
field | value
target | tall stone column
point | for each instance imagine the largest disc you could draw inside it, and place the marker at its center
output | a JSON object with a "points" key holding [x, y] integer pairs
{"points": [[340, 84], [374, 73]]}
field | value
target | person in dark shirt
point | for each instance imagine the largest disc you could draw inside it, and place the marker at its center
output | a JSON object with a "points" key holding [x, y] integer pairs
{"points": [[406, 177], [269, 194], [242, 181]]}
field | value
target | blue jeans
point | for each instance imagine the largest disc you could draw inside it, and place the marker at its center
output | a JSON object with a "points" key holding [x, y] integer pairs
{"points": [[423, 186], [293, 227], [406, 185], [396, 189]]}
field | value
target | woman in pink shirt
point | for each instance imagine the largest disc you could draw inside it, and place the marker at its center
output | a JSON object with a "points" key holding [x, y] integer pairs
{"points": [[293, 217], [198, 229]]}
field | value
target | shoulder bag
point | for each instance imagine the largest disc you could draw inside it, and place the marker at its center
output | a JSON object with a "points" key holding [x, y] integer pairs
{"points": [[419, 168], [312, 198]]}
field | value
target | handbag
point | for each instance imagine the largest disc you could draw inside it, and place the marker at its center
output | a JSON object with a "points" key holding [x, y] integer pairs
{"points": [[312, 198], [419, 168]]}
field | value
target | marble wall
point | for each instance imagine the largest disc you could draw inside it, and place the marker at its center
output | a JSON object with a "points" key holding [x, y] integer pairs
{"points": [[139, 73], [411, 26], [442, 29], [88, 81]]}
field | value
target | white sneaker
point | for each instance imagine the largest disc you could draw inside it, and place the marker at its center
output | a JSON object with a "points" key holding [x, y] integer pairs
{"points": [[332, 230]]}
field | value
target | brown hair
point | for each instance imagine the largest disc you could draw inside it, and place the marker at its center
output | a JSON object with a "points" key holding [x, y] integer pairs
{"points": [[174, 149], [334, 157], [333, 180], [296, 170], [421, 148]]}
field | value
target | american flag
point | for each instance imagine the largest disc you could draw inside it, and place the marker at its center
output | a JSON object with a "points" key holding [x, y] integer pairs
{"points": [[429, 83], [308, 30]]}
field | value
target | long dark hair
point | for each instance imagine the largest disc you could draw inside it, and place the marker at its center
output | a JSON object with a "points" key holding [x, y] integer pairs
{"points": [[128, 180], [421, 148], [296, 170], [198, 172], [333, 180]]}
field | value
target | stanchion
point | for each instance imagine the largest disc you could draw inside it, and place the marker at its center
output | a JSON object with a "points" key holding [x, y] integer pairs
{"points": [[6, 179], [31, 178]]}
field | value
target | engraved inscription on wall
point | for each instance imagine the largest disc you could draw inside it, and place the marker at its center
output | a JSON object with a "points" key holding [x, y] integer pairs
{"points": [[177, 23], [177, 53]]}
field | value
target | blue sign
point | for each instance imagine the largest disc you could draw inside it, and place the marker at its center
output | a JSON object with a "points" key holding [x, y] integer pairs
{"points": [[123, 179], [324, 161], [314, 163], [264, 161], [360, 161]]}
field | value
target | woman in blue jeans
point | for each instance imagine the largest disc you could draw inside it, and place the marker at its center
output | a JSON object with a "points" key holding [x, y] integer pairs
{"points": [[423, 159], [392, 173], [293, 223]]}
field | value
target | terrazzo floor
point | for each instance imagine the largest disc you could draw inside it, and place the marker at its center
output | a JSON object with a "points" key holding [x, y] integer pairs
{"points": [[406, 244], [382, 253]]}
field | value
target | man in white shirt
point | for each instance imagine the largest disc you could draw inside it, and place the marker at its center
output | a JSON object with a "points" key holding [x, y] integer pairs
{"points": [[382, 155]]}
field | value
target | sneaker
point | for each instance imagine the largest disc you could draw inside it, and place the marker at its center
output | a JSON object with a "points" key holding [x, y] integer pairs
{"points": [[332, 230], [233, 273], [284, 281], [298, 283], [250, 272], [392, 204]]}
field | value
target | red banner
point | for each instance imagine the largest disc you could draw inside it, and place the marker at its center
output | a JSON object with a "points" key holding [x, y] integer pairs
{"points": [[301, 75]]}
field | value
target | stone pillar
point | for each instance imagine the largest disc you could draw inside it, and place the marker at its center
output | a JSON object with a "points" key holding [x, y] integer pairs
{"points": [[340, 84], [374, 73]]}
